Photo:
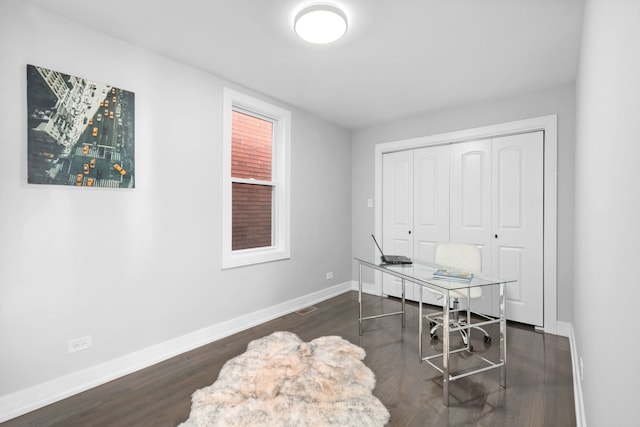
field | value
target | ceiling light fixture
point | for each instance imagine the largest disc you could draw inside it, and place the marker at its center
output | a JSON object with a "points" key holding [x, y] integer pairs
{"points": [[320, 23]]}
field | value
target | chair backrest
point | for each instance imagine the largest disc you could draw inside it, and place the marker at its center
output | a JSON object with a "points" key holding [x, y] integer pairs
{"points": [[459, 256]]}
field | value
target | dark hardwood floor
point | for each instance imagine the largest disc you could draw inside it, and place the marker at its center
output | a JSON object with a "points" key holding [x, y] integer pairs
{"points": [[539, 377]]}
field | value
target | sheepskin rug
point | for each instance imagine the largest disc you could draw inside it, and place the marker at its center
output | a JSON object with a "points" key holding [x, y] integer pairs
{"points": [[283, 381]]}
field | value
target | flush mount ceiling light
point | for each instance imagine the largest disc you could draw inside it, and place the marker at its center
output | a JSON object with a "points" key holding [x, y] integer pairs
{"points": [[320, 23]]}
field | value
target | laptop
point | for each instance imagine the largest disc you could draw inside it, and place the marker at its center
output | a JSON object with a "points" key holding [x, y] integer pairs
{"points": [[391, 259]]}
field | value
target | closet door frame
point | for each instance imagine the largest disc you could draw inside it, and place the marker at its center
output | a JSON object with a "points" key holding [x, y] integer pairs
{"points": [[548, 124]]}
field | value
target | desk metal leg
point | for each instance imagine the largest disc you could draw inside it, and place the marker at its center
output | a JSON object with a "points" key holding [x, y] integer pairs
{"points": [[503, 339], [445, 349], [360, 297], [404, 311], [420, 320], [362, 318]]}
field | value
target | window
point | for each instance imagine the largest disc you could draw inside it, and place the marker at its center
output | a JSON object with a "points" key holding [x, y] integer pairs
{"points": [[255, 208], [251, 181]]}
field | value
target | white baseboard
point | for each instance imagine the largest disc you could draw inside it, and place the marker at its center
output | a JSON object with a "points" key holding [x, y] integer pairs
{"points": [[581, 420], [24, 401], [367, 288]]}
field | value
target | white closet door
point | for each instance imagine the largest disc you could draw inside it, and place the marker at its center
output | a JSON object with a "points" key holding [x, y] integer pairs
{"points": [[518, 196], [471, 208], [489, 193], [397, 213], [431, 200], [431, 206]]}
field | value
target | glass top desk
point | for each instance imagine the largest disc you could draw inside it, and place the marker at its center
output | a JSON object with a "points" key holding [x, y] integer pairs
{"points": [[421, 273]]}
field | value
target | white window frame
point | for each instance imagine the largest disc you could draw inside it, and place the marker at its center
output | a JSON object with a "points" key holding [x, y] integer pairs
{"points": [[281, 120]]}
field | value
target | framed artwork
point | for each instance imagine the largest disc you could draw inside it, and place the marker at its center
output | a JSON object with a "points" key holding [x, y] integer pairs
{"points": [[80, 132]]}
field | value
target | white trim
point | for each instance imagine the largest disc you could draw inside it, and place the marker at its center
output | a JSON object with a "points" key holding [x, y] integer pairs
{"points": [[581, 419], [367, 288], [23, 401], [282, 171], [546, 123]]}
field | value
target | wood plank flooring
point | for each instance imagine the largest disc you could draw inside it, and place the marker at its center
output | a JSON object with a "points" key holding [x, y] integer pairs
{"points": [[539, 377]]}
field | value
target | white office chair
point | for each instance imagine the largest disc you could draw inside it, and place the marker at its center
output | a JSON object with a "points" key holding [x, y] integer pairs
{"points": [[462, 257]]}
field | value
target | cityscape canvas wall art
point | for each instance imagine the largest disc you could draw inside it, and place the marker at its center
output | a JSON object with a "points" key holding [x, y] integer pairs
{"points": [[80, 132]]}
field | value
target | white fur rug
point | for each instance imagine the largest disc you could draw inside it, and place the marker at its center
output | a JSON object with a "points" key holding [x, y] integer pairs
{"points": [[282, 381]]}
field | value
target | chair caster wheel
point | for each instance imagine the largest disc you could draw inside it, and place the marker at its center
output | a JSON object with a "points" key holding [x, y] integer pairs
{"points": [[487, 339], [470, 348], [434, 336]]}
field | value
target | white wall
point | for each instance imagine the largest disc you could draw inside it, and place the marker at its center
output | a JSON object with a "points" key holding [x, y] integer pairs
{"points": [[607, 204], [560, 101], [138, 268]]}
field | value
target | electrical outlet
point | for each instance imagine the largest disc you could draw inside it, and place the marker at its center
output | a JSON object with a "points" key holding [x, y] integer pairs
{"points": [[78, 344], [330, 275]]}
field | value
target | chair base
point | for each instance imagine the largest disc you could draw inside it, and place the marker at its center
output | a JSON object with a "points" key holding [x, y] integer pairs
{"points": [[463, 333], [456, 322]]}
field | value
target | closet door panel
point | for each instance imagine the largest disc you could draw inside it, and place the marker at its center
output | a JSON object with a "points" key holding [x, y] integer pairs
{"points": [[397, 213], [471, 208], [431, 200], [471, 192], [518, 223], [431, 205]]}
